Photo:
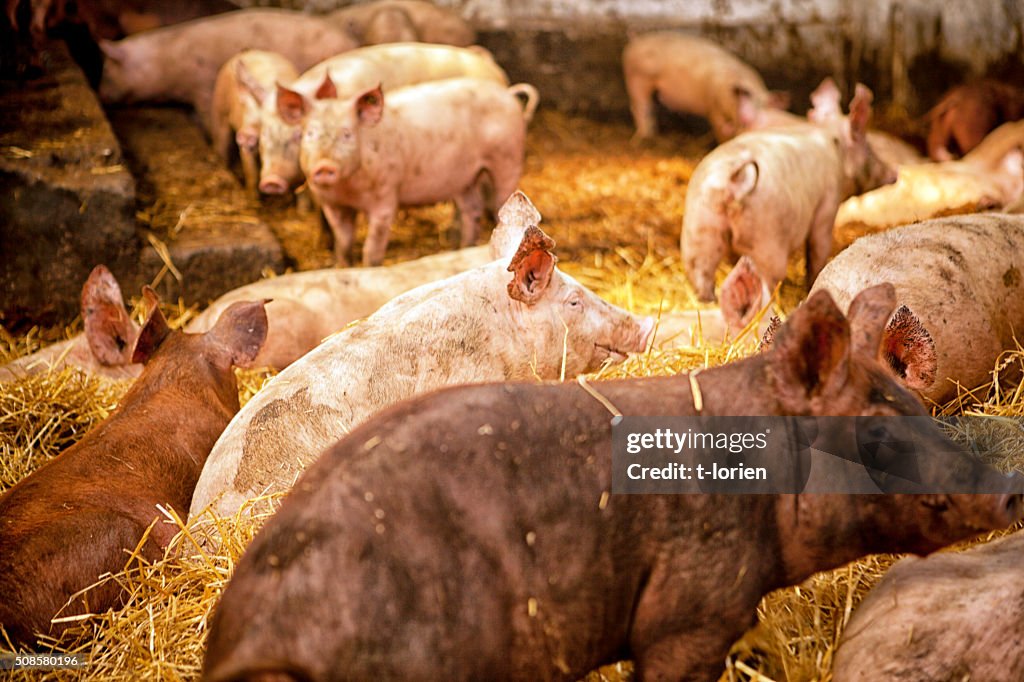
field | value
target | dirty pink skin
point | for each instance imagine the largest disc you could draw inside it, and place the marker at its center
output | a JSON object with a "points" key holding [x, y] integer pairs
{"points": [[243, 84], [990, 176], [81, 514], [950, 616], [421, 145], [103, 349], [967, 113], [392, 21], [180, 63], [478, 541], [691, 75], [391, 66], [517, 317], [768, 193], [961, 281]]}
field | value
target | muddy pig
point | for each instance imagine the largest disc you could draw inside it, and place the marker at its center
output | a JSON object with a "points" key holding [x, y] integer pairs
{"points": [[352, 73], [422, 144], [959, 284], [180, 63], [243, 83], [690, 75], [471, 533], [968, 112], [482, 325], [428, 22], [768, 193], [77, 516], [951, 616], [990, 176]]}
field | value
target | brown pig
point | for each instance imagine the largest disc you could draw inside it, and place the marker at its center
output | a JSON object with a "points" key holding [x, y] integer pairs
{"points": [[77, 516], [482, 325], [960, 288], [967, 113], [390, 66], [389, 21], [180, 63], [469, 534], [768, 193], [691, 75], [990, 176], [243, 83], [422, 144], [950, 616]]}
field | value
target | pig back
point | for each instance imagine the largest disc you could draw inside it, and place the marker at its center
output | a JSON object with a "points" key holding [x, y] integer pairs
{"points": [[960, 275]]}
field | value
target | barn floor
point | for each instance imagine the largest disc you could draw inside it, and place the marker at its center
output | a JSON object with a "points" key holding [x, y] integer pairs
{"points": [[614, 210]]}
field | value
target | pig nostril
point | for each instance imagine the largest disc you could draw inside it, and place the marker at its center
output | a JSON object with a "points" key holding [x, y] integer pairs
{"points": [[273, 186], [1013, 506], [325, 174]]}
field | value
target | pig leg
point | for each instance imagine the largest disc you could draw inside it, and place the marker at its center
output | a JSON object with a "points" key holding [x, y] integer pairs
{"points": [[342, 221], [470, 204], [250, 170], [641, 105], [380, 219], [819, 240]]}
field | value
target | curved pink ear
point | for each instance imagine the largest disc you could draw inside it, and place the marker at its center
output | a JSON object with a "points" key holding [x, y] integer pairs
{"points": [[532, 266], [240, 332], [109, 330], [249, 82], [910, 350], [154, 331], [327, 89], [860, 111], [868, 313], [370, 106], [292, 107], [825, 101]]}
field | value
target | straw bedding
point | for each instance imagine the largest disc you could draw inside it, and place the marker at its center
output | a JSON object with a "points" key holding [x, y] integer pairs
{"points": [[615, 212]]}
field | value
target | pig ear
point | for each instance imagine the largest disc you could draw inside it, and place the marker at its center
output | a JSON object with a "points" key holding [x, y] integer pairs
{"points": [[249, 83], [860, 112], [742, 294], [327, 89], [154, 331], [768, 338], [292, 107], [113, 51], [370, 106], [744, 179], [779, 99], [810, 353], [910, 350], [109, 330], [532, 266], [868, 313], [515, 216], [825, 101], [240, 332]]}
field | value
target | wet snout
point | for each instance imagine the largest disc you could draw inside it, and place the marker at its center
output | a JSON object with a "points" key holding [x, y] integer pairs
{"points": [[273, 184], [325, 173]]}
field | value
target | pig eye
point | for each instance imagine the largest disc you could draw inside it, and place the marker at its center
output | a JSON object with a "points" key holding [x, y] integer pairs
{"points": [[346, 135]]}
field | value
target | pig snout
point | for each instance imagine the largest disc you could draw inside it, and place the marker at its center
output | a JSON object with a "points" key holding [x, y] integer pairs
{"points": [[1011, 508], [273, 184], [325, 173]]}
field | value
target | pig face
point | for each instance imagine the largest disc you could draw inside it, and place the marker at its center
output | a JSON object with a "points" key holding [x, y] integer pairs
{"points": [[863, 170], [562, 322], [330, 149], [279, 143]]}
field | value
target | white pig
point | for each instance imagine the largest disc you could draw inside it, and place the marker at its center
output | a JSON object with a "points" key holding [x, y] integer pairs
{"points": [[691, 75], [179, 63], [768, 193], [482, 325], [426, 143], [391, 66], [959, 286], [243, 83], [430, 23]]}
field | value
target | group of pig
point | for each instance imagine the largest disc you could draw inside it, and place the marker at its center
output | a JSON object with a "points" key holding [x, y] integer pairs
{"points": [[367, 128], [469, 532]]}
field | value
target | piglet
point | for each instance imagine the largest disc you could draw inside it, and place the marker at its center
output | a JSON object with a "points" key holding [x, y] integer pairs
{"points": [[692, 75], [180, 63], [960, 287], [951, 616], [425, 143], [768, 193], [968, 112], [242, 85], [388, 21], [517, 317], [80, 514], [469, 534]]}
